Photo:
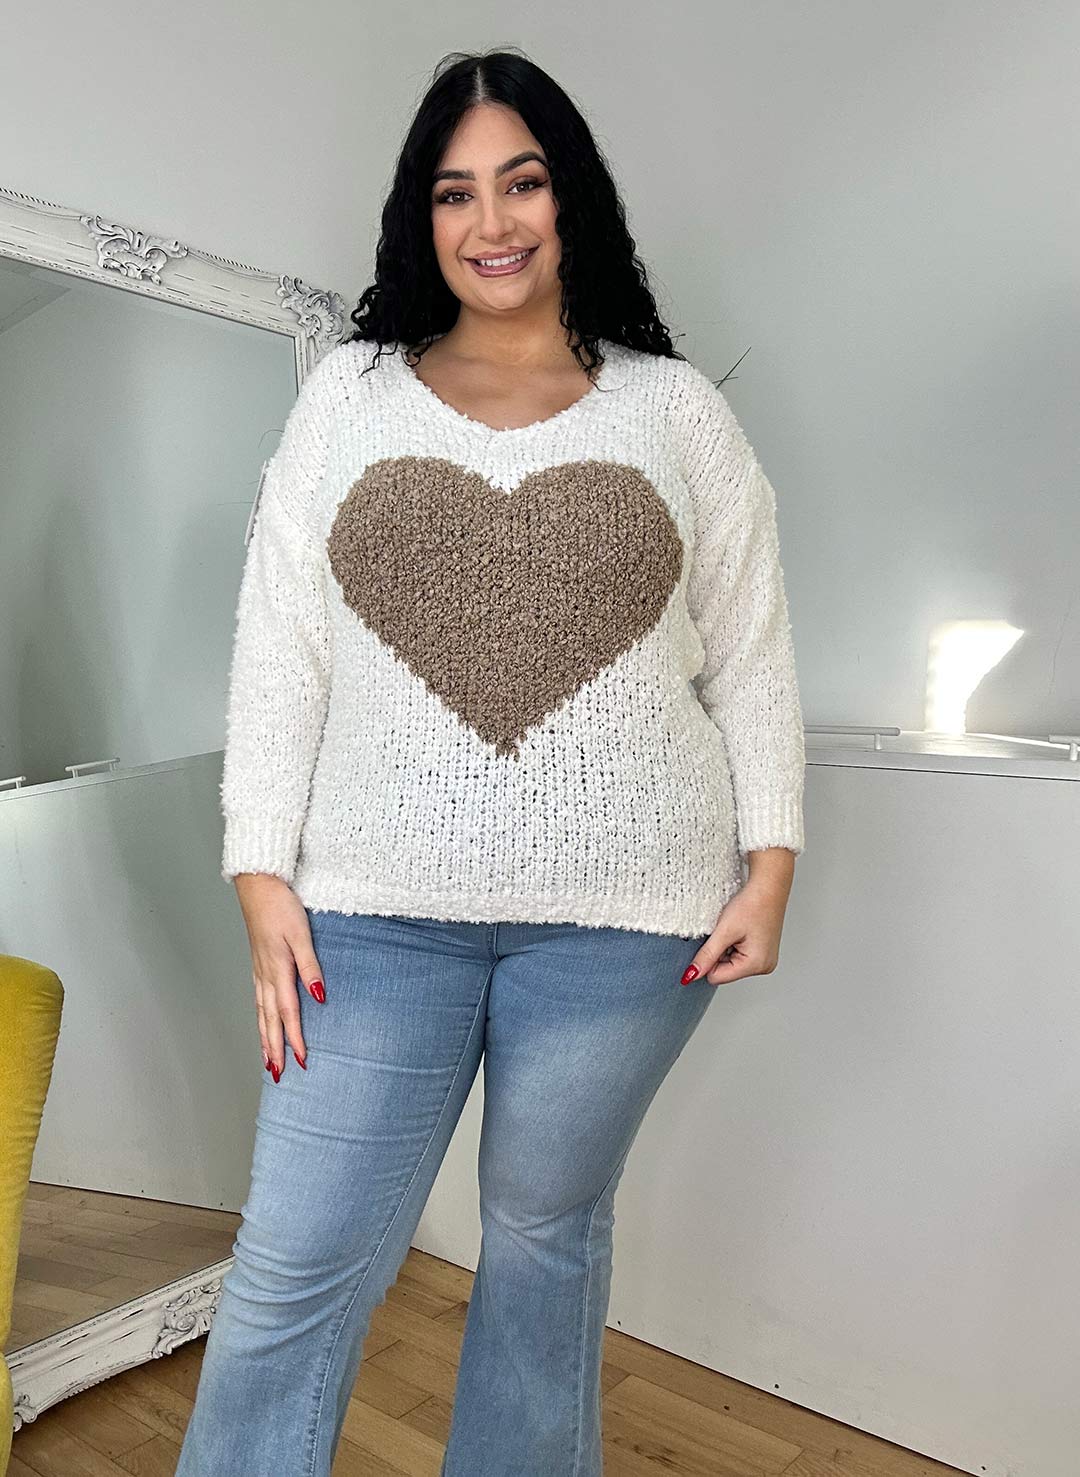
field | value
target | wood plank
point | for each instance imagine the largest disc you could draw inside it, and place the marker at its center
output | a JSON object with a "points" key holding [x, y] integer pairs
{"points": [[430, 1334], [412, 1294], [417, 1368], [154, 1458], [16, 1468], [685, 1436], [804, 1428], [431, 1419], [57, 1273], [180, 1370], [401, 1447], [386, 1390], [69, 1305], [147, 1399], [99, 1422], [354, 1461], [39, 1190], [445, 1278], [50, 1451], [108, 1262]]}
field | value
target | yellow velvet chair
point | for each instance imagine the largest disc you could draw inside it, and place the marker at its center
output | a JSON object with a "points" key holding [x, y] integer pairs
{"points": [[31, 1000]]}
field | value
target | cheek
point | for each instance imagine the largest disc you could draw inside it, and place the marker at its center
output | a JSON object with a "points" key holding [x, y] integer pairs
{"points": [[544, 222], [539, 224], [446, 238]]}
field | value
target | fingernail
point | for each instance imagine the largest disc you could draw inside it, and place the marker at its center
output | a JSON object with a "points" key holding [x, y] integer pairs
{"points": [[317, 990], [299, 1058], [275, 1071], [691, 974], [266, 1061]]}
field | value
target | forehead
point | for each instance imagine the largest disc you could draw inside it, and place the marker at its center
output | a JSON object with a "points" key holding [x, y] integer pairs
{"points": [[490, 139]]}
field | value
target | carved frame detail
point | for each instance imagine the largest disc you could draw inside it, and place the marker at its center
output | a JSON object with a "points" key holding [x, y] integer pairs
{"points": [[102, 250]]}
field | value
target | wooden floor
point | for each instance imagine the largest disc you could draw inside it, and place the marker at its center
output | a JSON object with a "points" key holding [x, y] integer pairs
{"points": [[662, 1414], [83, 1252]]}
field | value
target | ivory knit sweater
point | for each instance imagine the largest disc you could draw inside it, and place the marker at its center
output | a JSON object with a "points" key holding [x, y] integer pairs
{"points": [[539, 674]]}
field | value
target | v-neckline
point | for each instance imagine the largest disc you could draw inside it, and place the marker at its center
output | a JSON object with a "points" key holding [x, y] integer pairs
{"points": [[574, 410]]}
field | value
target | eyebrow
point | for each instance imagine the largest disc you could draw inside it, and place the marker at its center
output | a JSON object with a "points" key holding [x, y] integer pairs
{"points": [[513, 163]]}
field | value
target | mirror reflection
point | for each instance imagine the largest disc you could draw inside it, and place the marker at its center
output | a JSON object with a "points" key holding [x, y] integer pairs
{"points": [[134, 430]]}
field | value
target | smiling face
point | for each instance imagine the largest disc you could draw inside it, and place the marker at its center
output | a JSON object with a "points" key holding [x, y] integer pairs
{"points": [[492, 199]]}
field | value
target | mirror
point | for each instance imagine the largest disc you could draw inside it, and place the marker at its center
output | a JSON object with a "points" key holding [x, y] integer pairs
{"points": [[144, 386]]}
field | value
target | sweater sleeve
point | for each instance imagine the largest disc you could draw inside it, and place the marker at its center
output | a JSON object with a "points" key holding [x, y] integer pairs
{"points": [[279, 679], [747, 683]]}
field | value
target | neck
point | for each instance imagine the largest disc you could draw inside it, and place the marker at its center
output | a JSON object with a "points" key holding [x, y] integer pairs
{"points": [[518, 343]]}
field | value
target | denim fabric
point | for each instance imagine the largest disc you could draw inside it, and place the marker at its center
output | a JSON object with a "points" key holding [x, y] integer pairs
{"points": [[577, 1027]]}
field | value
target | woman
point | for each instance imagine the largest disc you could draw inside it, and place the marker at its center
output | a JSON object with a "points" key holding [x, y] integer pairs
{"points": [[512, 697]]}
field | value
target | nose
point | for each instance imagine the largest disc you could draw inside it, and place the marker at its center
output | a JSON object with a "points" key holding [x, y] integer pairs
{"points": [[496, 219]]}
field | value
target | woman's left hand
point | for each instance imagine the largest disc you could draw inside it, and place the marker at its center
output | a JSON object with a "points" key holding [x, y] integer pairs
{"points": [[746, 940]]}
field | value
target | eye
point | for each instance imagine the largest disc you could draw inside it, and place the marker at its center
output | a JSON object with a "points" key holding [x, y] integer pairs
{"points": [[448, 196]]}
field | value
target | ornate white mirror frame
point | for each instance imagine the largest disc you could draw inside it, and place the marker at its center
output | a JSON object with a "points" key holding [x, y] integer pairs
{"points": [[88, 246]]}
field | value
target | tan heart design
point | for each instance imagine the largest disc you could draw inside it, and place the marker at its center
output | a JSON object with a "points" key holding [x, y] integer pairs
{"points": [[505, 604]]}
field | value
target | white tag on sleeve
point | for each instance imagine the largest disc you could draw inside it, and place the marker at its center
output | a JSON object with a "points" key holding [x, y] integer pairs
{"points": [[255, 504]]}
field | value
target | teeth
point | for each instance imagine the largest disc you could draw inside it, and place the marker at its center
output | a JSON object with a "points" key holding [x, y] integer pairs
{"points": [[500, 261]]}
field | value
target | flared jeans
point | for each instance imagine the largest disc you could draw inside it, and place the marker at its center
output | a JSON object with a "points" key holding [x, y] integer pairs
{"points": [[577, 1028]]}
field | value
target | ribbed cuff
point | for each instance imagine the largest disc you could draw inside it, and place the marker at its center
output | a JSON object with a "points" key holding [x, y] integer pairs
{"points": [[771, 820], [259, 844]]}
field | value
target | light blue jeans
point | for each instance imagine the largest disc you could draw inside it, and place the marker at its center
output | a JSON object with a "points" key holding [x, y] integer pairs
{"points": [[577, 1026]]}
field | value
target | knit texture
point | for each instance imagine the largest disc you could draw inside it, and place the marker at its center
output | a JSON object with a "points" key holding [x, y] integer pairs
{"points": [[541, 674]]}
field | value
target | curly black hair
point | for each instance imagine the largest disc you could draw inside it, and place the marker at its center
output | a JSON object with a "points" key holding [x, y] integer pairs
{"points": [[605, 287]]}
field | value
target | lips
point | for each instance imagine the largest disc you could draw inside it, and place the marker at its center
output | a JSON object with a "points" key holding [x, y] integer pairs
{"points": [[507, 268]]}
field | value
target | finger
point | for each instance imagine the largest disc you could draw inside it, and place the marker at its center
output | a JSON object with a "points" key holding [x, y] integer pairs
{"points": [[272, 1065], [260, 1018], [262, 1040], [307, 967], [288, 1004], [274, 1033], [724, 971], [742, 965], [714, 947]]}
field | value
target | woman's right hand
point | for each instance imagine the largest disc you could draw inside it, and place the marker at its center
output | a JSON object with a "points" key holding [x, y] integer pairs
{"points": [[281, 949]]}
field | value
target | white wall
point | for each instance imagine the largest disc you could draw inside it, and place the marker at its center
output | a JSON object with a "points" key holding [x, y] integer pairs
{"points": [[875, 198]]}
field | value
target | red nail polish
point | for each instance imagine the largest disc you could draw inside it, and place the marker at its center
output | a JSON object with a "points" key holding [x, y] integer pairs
{"points": [[317, 990], [275, 1071], [299, 1058], [691, 974]]}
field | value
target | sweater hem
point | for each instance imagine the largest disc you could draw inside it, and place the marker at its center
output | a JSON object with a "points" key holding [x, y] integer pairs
{"points": [[325, 891]]}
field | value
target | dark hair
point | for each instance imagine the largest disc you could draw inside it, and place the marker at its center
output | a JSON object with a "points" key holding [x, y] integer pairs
{"points": [[605, 288]]}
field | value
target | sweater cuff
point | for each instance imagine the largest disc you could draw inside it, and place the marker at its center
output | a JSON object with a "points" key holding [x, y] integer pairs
{"points": [[771, 820], [260, 844]]}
